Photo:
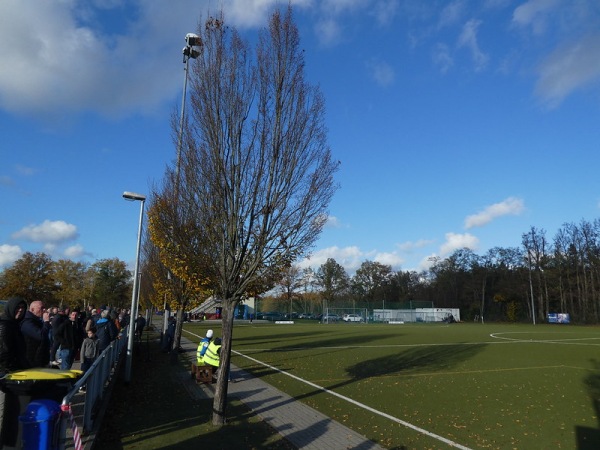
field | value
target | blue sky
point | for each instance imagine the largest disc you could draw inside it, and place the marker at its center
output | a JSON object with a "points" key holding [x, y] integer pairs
{"points": [[457, 123]]}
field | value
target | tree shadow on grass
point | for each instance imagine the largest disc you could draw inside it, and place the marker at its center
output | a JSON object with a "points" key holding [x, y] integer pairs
{"points": [[433, 358], [347, 340], [316, 348], [277, 337], [156, 411], [588, 438], [183, 430], [412, 360]]}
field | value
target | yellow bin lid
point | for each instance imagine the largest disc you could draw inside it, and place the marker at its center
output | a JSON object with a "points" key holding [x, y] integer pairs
{"points": [[44, 374]]}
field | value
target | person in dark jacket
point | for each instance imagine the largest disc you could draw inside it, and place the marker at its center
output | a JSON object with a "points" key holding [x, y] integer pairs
{"points": [[106, 331], [140, 323], [69, 336], [36, 331], [59, 318], [169, 336], [12, 358], [12, 344]]}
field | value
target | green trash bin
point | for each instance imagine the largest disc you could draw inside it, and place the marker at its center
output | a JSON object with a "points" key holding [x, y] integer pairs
{"points": [[32, 384]]}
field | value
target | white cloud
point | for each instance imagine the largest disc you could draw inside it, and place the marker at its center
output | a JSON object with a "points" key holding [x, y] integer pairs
{"points": [[409, 246], [456, 241], [254, 13], [56, 59], [9, 254], [5, 180], [468, 39], [534, 14], [333, 222], [49, 232], [50, 247], [382, 73], [451, 13], [427, 262], [74, 251], [328, 32], [385, 11], [568, 69], [389, 258], [340, 6], [348, 257], [442, 57], [510, 206], [26, 171]]}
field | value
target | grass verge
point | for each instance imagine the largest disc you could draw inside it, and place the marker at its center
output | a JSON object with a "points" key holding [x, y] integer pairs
{"points": [[157, 411]]}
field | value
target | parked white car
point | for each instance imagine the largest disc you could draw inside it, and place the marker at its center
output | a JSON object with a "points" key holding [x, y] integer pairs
{"points": [[352, 318]]}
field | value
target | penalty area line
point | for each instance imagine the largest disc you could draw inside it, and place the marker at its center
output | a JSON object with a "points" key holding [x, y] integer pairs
{"points": [[356, 403]]}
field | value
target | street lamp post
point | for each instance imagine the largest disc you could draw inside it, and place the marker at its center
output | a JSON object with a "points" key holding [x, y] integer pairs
{"points": [[132, 196]]}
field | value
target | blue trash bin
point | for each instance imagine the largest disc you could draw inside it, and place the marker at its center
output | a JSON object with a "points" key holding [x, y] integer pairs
{"points": [[40, 425]]}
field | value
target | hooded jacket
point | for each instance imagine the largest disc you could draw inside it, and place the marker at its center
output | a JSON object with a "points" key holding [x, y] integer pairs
{"points": [[12, 343], [37, 340], [106, 332]]}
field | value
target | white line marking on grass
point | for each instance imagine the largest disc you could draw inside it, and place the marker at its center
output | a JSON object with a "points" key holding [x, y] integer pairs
{"points": [[573, 341], [360, 405], [346, 347]]}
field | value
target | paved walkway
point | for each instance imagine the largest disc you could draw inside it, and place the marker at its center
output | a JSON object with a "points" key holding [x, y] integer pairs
{"points": [[303, 426]]}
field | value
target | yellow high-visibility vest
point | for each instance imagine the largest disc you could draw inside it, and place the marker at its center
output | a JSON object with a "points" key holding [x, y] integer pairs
{"points": [[211, 357]]}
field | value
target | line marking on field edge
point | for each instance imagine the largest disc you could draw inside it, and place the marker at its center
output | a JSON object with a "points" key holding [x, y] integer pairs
{"points": [[354, 402], [359, 404], [565, 341]]}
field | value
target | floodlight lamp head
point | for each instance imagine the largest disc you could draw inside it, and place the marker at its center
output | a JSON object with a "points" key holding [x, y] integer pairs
{"points": [[190, 52], [133, 196], [193, 40]]}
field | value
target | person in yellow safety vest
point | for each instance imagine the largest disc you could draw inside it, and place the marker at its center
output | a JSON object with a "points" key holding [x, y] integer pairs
{"points": [[203, 346], [211, 357]]}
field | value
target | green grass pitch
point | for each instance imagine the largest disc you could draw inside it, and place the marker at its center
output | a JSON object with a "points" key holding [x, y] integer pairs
{"points": [[426, 386]]}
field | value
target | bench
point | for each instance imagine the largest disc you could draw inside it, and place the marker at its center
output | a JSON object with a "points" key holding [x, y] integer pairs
{"points": [[202, 374]]}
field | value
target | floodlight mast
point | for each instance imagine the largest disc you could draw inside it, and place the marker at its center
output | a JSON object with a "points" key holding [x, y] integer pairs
{"points": [[189, 52]]}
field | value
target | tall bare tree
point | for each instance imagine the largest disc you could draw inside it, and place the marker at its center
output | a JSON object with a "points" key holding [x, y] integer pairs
{"points": [[537, 253], [256, 173]]}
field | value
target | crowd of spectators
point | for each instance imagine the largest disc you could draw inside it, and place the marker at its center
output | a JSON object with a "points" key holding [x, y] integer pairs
{"points": [[37, 336], [52, 336]]}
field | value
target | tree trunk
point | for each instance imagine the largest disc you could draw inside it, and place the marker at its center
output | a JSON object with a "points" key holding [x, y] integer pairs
{"points": [[177, 337], [220, 400]]}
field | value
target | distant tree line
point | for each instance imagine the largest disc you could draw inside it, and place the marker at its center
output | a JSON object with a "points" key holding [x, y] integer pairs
{"points": [[513, 284], [505, 284], [67, 283]]}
